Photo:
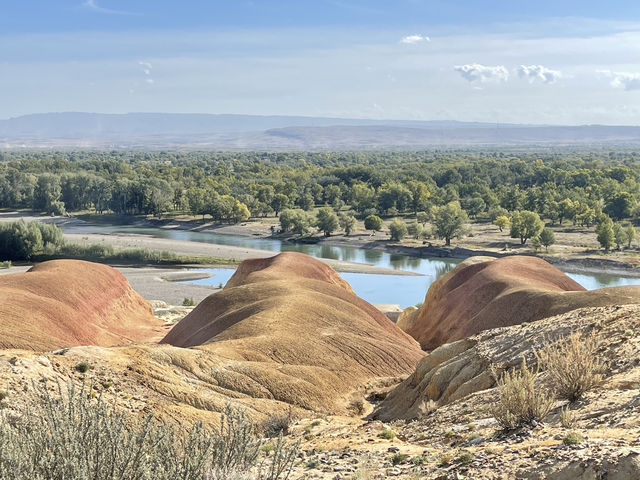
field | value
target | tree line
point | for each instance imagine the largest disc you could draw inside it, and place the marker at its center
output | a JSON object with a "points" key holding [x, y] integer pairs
{"points": [[578, 187]]}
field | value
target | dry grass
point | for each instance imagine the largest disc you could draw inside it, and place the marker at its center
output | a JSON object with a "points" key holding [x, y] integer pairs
{"points": [[521, 402], [572, 365]]}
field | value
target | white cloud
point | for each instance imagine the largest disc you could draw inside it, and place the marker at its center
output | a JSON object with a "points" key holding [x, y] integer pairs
{"points": [[625, 80], [150, 81], [483, 73], [538, 72], [92, 5], [146, 67], [412, 39]]}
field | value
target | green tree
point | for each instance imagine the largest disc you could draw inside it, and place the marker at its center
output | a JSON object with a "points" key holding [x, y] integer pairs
{"points": [[419, 195], [373, 223], [414, 229], [536, 243], [547, 238], [326, 220], [449, 221], [619, 206], [423, 218], [604, 230], [279, 202], [619, 235], [473, 206], [240, 212], [502, 221], [632, 234], [295, 220], [397, 229], [347, 223], [525, 224]]}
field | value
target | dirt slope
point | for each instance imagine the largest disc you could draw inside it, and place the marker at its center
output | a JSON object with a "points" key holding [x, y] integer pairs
{"points": [[63, 303], [291, 329], [481, 294]]}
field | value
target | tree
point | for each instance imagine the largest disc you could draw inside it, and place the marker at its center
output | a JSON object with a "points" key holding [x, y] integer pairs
{"points": [[423, 217], [449, 221], [397, 229], [619, 205], [332, 195], [619, 235], [536, 243], [414, 229], [606, 236], [525, 224], [547, 238], [279, 202], [295, 220], [347, 223], [196, 198], [632, 234], [240, 212], [473, 206], [566, 209], [373, 223], [497, 211], [502, 221], [326, 220], [47, 193], [419, 194]]}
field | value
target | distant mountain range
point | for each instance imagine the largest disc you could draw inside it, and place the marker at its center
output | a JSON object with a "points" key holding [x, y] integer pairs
{"points": [[254, 132]]}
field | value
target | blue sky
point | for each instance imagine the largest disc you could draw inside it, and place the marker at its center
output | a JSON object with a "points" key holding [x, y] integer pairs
{"points": [[563, 62]]}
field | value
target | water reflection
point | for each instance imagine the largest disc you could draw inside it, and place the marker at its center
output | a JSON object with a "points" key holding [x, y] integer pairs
{"points": [[402, 290]]}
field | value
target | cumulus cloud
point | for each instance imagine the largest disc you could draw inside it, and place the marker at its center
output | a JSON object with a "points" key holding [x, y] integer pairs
{"points": [[538, 72], [476, 72], [625, 80], [412, 39]]}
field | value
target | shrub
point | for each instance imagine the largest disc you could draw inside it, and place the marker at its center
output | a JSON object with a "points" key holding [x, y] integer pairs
{"points": [[277, 424], [83, 367], [520, 402], [5, 264], [567, 418], [572, 365], [387, 434], [464, 458], [397, 229], [399, 458], [188, 302], [572, 438], [69, 435]]}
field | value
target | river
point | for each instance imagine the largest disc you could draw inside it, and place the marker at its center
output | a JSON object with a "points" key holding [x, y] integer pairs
{"points": [[394, 289]]}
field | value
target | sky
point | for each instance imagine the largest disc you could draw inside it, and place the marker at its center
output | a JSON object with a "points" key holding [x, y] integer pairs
{"points": [[544, 62]]}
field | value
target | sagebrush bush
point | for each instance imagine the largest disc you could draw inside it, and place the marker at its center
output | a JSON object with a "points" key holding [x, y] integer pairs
{"points": [[277, 424], [521, 401], [572, 365], [72, 436]]}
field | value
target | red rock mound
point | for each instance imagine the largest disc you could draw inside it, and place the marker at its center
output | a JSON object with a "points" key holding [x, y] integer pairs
{"points": [[480, 294], [296, 332], [64, 303]]}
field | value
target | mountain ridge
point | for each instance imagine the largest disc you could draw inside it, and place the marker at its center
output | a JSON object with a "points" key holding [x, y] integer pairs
{"points": [[280, 132]]}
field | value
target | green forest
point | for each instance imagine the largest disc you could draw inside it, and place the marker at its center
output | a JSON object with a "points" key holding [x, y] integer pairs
{"points": [[442, 187]]}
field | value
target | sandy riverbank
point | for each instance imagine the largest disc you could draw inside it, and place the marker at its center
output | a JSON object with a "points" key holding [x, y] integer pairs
{"points": [[232, 253]]}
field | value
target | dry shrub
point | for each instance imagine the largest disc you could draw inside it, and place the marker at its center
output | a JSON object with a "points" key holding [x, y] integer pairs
{"points": [[71, 435], [521, 402], [572, 365], [277, 424]]}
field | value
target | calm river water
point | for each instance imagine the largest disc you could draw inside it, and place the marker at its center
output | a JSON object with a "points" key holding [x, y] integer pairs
{"points": [[395, 289]]}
